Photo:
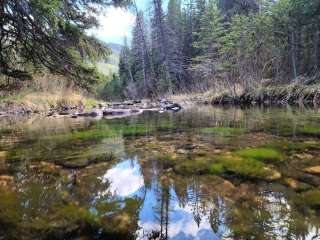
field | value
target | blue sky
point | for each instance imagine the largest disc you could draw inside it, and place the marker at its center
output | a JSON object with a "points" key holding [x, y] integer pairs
{"points": [[116, 23]]}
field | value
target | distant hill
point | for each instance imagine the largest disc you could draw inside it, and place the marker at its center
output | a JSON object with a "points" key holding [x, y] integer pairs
{"points": [[115, 47], [110, 66]]}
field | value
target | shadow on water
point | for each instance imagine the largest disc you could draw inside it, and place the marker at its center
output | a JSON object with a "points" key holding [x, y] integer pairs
{"points": [[202, 173]]}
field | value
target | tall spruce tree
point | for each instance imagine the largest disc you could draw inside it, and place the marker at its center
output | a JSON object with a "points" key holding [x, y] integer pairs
{"points": [[174, 42]]}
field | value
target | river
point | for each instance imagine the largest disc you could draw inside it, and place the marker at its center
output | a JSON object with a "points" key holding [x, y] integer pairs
{"points": [[202, 173]]}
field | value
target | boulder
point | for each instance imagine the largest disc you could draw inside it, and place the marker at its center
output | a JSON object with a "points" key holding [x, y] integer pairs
{"points": [[111, 111], [173, 107], [93, 113]]}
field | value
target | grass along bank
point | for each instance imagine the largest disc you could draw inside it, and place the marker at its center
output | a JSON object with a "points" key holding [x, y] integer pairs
{"points": [[42, 93], [297, 92]]}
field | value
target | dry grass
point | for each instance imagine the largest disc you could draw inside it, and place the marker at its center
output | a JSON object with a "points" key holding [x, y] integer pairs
{"points": [[299, 91], [46, 91]]}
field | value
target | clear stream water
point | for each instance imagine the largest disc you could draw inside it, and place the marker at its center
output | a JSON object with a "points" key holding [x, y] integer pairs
{"points": [[202, 173]]}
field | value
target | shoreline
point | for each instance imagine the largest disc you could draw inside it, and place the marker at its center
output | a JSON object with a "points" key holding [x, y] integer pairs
{"points": [[77, 105]]}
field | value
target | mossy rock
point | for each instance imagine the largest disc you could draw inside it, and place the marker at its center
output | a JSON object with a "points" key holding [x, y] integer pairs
{"points": [[294, 146], [263, 154], [192, 167], [85, 161], [10, 208], [166, 160], [217, 168], [132, 130], [309, 130], [64, 220], [248, 168], [226, 131], [296, 185], [310, 198]]}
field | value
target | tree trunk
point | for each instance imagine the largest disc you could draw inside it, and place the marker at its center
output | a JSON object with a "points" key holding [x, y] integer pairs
{"points": [[293, 55]]}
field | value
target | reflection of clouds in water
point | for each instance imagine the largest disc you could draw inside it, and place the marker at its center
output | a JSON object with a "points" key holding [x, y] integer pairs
{"points": [[185, 227], [181, 220], [125, 178]]}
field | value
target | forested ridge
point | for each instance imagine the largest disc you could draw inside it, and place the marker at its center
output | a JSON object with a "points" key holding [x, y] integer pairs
{"points": [[219, 45]]}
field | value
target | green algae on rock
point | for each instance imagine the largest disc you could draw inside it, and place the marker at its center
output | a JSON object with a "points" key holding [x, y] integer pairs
{"points": [[248, 168], [309, 130], [310, 198], [228, 131], [188, 167], [261, 153], [296, 185]]}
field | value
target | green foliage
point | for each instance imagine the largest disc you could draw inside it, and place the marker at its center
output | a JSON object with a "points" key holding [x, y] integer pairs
{"points": [[51, 35], [229, 44], [209, 37], [113, 89]]}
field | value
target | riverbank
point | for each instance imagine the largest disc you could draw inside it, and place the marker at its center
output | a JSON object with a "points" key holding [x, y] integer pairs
{"points": [[42, 102], [76, 104], [292, 94]]}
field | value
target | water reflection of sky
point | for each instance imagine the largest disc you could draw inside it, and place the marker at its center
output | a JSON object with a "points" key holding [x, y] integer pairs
{"points": [[126, 180]]}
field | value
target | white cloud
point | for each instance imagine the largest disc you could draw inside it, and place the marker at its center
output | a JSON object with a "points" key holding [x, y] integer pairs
{"points": [[115, 24]]}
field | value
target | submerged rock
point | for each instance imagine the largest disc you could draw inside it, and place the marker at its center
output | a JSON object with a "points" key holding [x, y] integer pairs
{"points": [[3, 155], [296, 185], [85, 162], [313, 170], [273, 174], [310, 198], [5, 180]]}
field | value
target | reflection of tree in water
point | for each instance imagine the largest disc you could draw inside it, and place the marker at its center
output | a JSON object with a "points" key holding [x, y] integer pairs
{"points": [[162, 208], [197, 201], [216, 216]]}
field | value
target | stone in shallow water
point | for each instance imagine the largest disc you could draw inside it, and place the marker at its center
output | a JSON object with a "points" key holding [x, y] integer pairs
{"points": [[3, 155], [296, 185], [313, 170], [273, 176], [5, 180]]}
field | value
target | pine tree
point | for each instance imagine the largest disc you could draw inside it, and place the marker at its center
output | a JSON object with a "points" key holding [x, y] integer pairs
{"points": [[125, 66], [174, 42], [212, 30], [159, 48], [140, 56]]}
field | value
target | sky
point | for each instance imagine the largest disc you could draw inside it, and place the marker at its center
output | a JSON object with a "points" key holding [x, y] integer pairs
{"points": [[116, 24]]}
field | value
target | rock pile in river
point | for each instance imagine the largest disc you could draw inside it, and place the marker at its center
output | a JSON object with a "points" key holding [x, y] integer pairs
{"points": [[116, 109]]}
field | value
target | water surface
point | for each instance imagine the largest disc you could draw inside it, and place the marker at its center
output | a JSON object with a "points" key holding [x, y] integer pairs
{"points": [[203, 173]]}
